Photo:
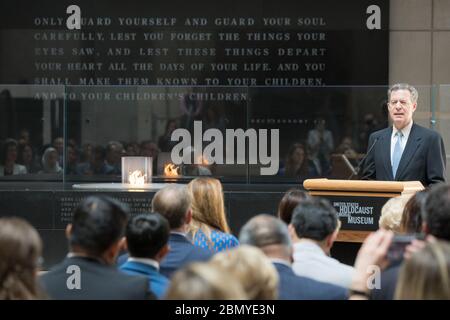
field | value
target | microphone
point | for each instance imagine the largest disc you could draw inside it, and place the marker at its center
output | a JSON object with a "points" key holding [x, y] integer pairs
{"points": [[358, 167]]}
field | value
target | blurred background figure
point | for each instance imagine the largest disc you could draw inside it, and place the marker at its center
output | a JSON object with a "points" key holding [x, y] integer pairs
{"points": [[209, 227], [252, 269], [320, 145], [8, 159], [50, 162], [26, 158], [165, 143], [20, 255], [298, 165], [203, 281], [58, 144], [426, 275]]}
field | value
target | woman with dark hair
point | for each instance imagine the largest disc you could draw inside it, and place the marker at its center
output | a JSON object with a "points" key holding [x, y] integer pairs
{"points": [[298, 164], [8, 158], [26, 158], [290, 200], [20, 252], [411, 221], [165, 143]]}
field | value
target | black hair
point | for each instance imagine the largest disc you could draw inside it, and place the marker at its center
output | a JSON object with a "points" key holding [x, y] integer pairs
{"points": [[147, 234], [98, 222], [314, 219], [437, 211]]}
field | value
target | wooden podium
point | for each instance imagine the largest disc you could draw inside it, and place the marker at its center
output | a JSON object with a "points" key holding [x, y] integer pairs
{"points": [[359, 202]]}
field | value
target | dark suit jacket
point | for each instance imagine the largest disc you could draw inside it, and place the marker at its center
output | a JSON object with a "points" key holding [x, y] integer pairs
{"points": [[293, 287], [182, 252], [98, 281], [388, 284], [423, 158]]}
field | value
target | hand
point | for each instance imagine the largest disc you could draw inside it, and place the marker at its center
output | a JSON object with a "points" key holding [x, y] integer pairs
{"points": [[417, 245]]}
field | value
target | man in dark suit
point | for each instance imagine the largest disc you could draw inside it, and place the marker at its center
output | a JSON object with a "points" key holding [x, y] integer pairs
{"points": [[95, 239], [405, 151], [174, 203], [272, 237]]}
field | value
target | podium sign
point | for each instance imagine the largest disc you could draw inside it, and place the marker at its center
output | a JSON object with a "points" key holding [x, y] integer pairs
{"points": [[358, 203]]}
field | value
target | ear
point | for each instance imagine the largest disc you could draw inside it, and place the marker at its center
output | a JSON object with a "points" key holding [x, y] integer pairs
{"points": [[331, 238], [414, 107], [123, 244], [293, 233], [163, 252], [425, 228], [188, 216], [68, 230]]}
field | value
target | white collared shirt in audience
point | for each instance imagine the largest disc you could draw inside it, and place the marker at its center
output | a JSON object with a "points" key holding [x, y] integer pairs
{"points": [[311, 261]]}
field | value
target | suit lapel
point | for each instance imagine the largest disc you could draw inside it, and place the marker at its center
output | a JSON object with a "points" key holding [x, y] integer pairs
{"points": [[386, 152], [411, 146]]}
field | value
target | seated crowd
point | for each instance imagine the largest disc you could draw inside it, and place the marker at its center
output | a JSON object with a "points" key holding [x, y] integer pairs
{"points": [[184, 249]]}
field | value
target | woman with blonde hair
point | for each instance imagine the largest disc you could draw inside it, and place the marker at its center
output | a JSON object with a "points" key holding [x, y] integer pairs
{"points": [[426, 275], [209, 227], [20, 251], [203, 281], [253, 270]]}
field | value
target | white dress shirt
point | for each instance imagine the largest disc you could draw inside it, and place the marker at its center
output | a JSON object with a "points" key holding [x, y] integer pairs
{"points": [[311, 261], [146, 261], [406, 131]]}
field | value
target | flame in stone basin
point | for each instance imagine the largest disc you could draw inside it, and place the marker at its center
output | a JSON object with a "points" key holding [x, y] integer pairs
{"points": [[171, 170], [137, 178]]}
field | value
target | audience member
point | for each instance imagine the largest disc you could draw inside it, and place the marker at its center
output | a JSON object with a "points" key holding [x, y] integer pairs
{"points": [[58, 144], [27, 159], [252, 269], [291, 199], [411, 221], [314, 228], [209, 227], [320, 144], [391, 213], [8, 158], [426, 275], [88, 272], [20, 252], [147, 243], [50, 161], [272, 236], [174, 203], [298, 164], [436, 222], [204, 281], [113, 159]]}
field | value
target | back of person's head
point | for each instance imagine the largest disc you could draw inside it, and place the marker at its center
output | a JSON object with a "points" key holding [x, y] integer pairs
{"points": [[174, 203], [315, 219], [98, 223], [392, 212], [203, 281], [267, 233], [146, 235], [252, 269], [290, 200], [208, 209], [412, 214], [437, 212], [426, 275], [20, 252]]}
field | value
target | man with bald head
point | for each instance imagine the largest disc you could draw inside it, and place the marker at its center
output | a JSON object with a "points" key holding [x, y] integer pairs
{"points": [[271, 235]]}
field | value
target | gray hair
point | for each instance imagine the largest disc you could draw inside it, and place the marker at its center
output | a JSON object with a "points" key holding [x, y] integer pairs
{"points": [[264, 230], [404, 86], [173, 202]]}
